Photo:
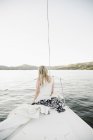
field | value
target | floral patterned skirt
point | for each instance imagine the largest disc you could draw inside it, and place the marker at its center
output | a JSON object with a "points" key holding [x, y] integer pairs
{"points": [[53, 103]]}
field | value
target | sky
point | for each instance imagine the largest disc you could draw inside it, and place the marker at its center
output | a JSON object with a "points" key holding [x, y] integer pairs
{"points": [[24, 32]]}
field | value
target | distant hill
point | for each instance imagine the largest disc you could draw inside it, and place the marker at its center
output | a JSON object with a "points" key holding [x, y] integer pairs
{"points": [[78, 66], [21, 67]]}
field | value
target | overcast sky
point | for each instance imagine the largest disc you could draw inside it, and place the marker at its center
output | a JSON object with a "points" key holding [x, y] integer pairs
{"points": [[23, 32]]}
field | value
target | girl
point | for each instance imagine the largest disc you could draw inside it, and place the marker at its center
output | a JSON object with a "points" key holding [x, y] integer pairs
{"points": [[45, 91]]}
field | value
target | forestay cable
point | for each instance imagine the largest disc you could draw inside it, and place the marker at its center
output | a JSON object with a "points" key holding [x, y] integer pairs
{"points": [[48, 25], [48, 31]]}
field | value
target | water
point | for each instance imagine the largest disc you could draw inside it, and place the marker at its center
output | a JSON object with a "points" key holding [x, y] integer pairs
{"points": [[17, 87]]}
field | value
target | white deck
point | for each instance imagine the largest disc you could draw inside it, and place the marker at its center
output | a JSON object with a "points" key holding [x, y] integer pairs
{"points": [[55, 126]]}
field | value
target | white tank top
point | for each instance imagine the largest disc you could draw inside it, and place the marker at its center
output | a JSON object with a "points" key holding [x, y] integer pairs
{"points": [[45, 91]]}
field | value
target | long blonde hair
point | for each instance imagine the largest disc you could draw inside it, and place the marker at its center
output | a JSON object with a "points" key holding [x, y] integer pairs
{"points": [[43, 75]]}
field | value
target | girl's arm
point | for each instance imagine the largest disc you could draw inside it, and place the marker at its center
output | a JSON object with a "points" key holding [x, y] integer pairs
{"points": [[52, 91], [37, 89]]}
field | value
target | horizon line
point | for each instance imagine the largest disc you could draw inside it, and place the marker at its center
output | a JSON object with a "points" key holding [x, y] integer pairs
{"points": [[48, 65]]}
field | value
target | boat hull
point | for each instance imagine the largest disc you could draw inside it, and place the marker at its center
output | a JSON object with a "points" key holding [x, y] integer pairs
{"points": [[55, 126]]}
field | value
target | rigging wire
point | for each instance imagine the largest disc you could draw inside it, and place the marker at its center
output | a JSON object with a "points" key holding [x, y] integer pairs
{"points": [[62, 92], [48, 30], [48, 25]]}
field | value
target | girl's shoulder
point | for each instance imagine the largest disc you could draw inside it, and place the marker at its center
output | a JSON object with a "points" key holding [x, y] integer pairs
{"points": [[51, 78]]}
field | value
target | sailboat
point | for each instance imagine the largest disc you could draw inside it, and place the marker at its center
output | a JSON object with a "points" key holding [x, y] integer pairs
{"points": [[43, 125], [55, 126]]}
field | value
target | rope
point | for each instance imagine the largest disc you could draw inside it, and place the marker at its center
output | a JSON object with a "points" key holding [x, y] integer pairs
{"points": [[48, 31]]}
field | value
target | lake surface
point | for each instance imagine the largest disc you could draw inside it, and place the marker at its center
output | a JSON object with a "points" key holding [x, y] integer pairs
{"points": [[17, 87]]}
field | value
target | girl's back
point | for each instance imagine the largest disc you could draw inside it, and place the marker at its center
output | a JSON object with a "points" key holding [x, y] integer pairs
{"points": [[45, 90]]}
